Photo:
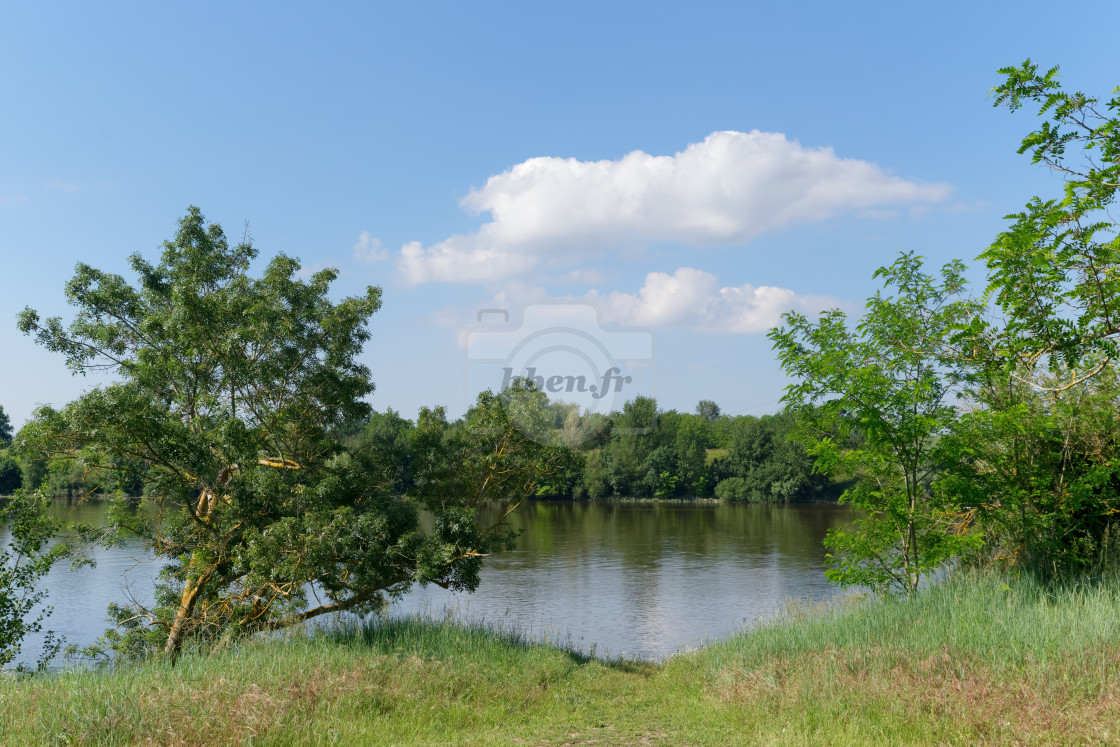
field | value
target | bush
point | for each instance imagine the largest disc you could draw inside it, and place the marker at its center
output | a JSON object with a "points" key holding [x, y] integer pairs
{"points": [[733, 489], [10, 478]]}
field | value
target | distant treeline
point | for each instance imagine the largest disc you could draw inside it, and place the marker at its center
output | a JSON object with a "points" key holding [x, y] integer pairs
{"points": [[638, 452], [644, 452]]}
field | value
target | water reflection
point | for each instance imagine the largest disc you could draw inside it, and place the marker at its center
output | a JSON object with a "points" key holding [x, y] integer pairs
{"points": [[80, 597], [643, 579], [646, 579]]}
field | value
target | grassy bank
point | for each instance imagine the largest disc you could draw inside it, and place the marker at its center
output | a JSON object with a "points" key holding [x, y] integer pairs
{"points": [[974, 660]]}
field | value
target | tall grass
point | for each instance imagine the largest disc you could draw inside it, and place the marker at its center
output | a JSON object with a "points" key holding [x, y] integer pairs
{"points": [[1007, 622], [980, 658]]}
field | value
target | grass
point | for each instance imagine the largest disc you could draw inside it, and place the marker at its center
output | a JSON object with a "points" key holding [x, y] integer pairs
{"points": [[978, 659], [714, 454]]}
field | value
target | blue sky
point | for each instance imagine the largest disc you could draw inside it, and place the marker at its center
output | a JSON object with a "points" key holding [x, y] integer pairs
{"points": [[691, 171]]}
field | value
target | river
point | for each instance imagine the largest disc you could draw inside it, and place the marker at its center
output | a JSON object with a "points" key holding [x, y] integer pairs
{"points": [[634, 578]]}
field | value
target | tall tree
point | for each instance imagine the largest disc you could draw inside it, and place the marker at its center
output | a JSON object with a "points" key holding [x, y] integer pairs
{"points": [[233, 388], [707, 409]]}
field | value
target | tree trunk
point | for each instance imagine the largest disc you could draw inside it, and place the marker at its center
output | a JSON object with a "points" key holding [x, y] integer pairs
{"points": [[191, 589]]}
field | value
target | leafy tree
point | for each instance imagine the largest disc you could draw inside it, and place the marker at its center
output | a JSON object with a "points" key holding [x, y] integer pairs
{"points": [[1055, 272], [768, 464], [10, 477], [23, 563], [593, 482], [691, 442], [32, 467], [733, 489], [892, 378], [385, 436], [1038, 467], [1033, 456], [583, 431], [626, 457], [5, 428], [233, 389], [707, 409], [68, 477]]}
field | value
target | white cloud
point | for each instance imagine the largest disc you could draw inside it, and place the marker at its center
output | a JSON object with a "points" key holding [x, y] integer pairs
{"points": [[694, 298], [369, 249], [688, 298], [728, 189]]}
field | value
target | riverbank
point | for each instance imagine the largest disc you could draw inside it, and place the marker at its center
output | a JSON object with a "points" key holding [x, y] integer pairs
{"points": [[978, 659]]}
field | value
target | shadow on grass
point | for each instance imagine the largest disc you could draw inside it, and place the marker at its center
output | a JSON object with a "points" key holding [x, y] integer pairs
{"points": [[446, 638]]}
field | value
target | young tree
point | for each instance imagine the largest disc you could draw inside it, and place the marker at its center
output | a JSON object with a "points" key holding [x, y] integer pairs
{"points": [[232, 388], [891, 379]]}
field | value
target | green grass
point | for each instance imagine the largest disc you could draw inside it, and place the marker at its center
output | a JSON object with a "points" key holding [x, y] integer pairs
{"points": [[714, 454], [978, 659]]}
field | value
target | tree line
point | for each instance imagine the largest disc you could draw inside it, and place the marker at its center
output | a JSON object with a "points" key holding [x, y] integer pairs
{"points": [[639, 451]]}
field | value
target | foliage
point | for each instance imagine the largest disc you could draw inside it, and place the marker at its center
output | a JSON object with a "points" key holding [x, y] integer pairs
{"points": [[892, 379], [708, 410], [235, 391], [1030, 459], [5, 428], [1033, 457], [773, 467], [10, 477], [26, 559], [1055, 272], [386, 438], [733, 489], [1037, 467]]}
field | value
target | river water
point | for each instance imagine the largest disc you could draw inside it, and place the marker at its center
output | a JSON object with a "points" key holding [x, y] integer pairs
{"points": [[641, 579]]}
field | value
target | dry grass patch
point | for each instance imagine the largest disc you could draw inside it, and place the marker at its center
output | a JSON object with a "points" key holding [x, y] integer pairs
{"points": [[1061, 702]]}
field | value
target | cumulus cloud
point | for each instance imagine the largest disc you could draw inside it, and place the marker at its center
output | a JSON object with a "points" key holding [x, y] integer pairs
{"points": [[694, 298], [728, 189], [688, 298], [369, 248]]}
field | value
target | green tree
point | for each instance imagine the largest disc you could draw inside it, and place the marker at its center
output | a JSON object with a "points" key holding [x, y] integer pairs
{"points": [[1033, 457], [891, 378], [626, 456], [385, 436], [233, 389], [1039, 468], [10, 477], [691, 442], [771, 466], [1055, 272], [23, 563], [733, 489], [5, 428], [708, 410]]}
